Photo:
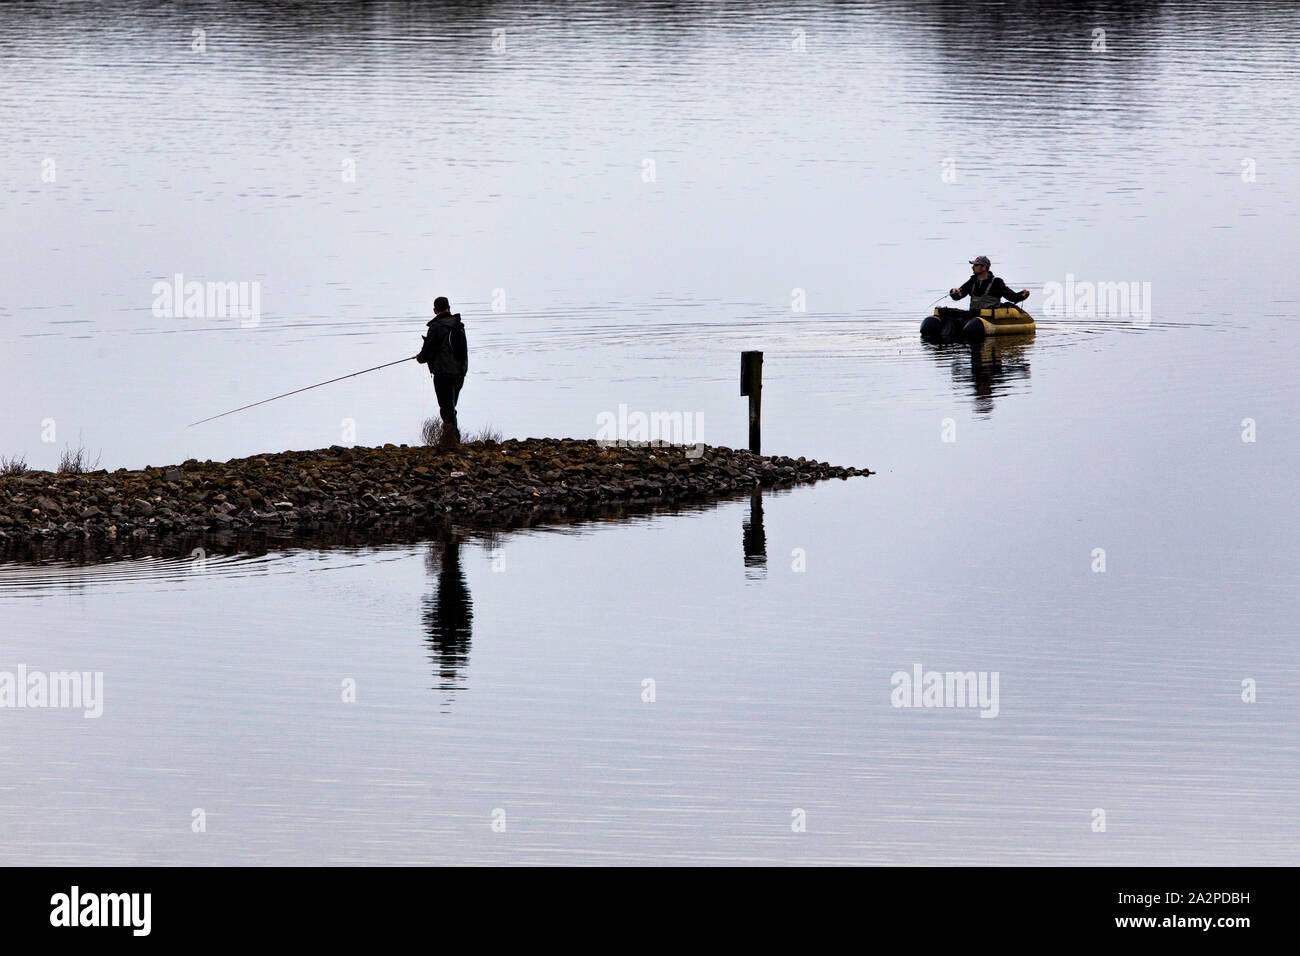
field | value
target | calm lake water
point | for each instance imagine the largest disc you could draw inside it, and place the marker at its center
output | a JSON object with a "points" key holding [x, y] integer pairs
{"points": [[619, 198]]}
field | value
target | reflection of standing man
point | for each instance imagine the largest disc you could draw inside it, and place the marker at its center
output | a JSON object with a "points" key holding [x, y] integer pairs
{"points": [[449, 615]]}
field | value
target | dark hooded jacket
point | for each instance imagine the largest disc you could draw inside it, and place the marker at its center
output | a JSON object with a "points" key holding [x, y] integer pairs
{"points": [[445, 349], [988, 293]]}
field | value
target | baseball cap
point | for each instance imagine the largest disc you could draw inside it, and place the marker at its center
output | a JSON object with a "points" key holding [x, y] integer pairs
{"points": [[981, 261]]}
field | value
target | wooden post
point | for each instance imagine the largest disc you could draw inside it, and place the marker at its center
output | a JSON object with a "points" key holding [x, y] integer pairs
{"points": [[751, 384]]}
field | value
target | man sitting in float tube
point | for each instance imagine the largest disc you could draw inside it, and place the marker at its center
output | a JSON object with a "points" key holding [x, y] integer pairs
{"points": [[986, 291]]}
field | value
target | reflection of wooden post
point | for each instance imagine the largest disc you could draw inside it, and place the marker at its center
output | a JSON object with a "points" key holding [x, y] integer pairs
{"points": [[751, 384], [754, 539]]}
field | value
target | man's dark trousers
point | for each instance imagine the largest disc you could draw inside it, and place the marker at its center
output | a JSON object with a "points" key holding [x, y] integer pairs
{"points": [[447, 387]]}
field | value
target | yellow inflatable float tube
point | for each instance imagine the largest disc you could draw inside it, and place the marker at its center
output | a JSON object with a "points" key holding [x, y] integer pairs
{"points": [[948, 324]]}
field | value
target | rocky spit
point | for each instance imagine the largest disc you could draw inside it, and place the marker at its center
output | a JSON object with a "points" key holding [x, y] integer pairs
{"points": [[496, 485]]}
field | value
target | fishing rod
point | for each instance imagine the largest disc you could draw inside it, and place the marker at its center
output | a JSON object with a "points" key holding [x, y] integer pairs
{"points": [[297, 390]]}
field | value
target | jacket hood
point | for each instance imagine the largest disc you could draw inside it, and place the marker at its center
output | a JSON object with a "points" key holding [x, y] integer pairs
{"points": [[447, 318]]}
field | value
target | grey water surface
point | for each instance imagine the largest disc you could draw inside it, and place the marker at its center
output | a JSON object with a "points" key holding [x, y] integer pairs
{"points": [[619, 198]]}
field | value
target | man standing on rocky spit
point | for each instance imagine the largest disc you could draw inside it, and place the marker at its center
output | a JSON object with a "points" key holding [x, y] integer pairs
{"points": [[446, 353]]}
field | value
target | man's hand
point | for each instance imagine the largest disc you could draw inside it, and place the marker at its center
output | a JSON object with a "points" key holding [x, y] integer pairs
{"points": [[1024, 293], [954, 292]]}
